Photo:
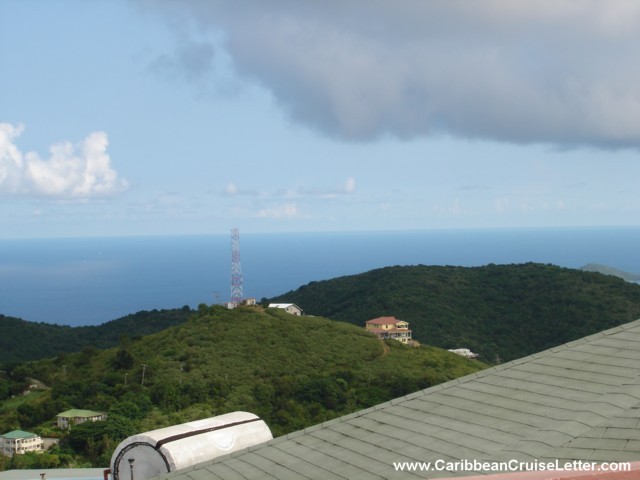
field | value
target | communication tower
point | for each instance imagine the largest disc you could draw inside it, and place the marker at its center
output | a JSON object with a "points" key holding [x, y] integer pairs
{"points": [[236, 271]]}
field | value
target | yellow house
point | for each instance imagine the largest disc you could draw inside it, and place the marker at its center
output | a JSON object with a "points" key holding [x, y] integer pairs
{"points": [[389, 327]]}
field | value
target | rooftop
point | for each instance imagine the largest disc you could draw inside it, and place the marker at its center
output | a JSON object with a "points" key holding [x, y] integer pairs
{"points": [[78, 413], [384, 321], [578, 401], [15, 434]]}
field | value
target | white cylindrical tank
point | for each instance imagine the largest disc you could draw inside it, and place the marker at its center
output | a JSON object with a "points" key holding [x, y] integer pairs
{"points": [[168, 449]]}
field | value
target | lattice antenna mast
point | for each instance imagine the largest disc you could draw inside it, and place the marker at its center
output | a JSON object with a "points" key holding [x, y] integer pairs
{"points": [[236, 271]]}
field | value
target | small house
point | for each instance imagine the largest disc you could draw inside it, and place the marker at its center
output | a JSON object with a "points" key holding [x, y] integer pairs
{"points": [[76, 416], [19, 441], [291, 308], [389, 327]]}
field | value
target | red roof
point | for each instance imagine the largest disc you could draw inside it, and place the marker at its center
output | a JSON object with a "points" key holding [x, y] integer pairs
{"points": [[384, 321], [388, 330]]}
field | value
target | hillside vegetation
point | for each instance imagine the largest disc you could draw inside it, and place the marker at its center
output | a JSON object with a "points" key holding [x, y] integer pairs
{"points": [[293, 372], [595, 267], [500, 311], [22, 340]]}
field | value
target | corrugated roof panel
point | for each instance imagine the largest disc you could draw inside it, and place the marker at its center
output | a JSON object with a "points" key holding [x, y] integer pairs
{"points": [[203, 474], [593, 368], [347, 452], [285, 465], [541, 395], [324, 464], [337, 455], [527, 381], [248, 471], [223, 470]]}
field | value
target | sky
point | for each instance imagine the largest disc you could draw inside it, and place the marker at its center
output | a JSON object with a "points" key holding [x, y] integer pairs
{"points": [[141, 117]]}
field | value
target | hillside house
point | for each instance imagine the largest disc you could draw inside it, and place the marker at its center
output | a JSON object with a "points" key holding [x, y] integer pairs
{"points": [[76, 416], [19, 441], [291, 308], [389, 327]]}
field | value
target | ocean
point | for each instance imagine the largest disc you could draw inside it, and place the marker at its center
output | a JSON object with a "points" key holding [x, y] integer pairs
{"points": [[88, 281]]}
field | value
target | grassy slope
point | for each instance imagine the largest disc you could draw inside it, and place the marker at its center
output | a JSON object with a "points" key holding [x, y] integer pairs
{"points": [[498, 310], [293, 372]]}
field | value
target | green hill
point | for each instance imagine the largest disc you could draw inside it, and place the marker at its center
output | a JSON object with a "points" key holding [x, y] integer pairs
{"points": [[293, 372], [595, 267], [504, 311], [22, 340]]}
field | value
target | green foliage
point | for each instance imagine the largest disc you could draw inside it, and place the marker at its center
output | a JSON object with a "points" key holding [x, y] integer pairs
{"points": [[594, 267], [21, 340], [96, 441], [39, 460], [123, 360], [505, 311], [293, 372]]}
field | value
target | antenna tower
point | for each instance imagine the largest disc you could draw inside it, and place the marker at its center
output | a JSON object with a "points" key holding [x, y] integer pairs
{"points": [[236, 271]]}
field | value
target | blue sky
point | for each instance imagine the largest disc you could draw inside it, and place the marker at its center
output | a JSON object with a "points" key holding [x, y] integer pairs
{"points": [[132, 117]]}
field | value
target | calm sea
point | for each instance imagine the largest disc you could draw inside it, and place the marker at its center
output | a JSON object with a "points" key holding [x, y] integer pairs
{"points": [[87, 281]]}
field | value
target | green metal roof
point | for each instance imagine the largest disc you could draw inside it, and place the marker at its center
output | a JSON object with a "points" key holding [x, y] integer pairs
{"points": [[578, 401], [15, 434], [77, 413]]}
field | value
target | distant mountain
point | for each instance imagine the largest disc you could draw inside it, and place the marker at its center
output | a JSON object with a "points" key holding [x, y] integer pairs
{"points": [[21, 340], [499, 311], [594, 267]]}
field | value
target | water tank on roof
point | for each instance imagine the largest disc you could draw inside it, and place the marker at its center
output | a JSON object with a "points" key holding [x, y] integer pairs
{"points": [[168, 449]]}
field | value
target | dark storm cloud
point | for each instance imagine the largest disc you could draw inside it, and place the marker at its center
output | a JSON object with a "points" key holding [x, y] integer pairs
{"points": [[564, 73]]}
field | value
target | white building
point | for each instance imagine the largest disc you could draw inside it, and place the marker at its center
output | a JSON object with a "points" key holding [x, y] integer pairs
{"points": [[291, 308], [19, 441], [75, 416]]}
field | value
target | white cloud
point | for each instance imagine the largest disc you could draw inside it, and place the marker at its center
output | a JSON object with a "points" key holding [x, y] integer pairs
{"points": [[231, 189], [11, 161], [501, 204], [350, 185], [285, 211], [564, 73], [348, 188], [73, 171], [453, 209]]}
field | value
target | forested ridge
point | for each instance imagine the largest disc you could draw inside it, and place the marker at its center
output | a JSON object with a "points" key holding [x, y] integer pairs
{"points": [[22, 340], [292, 371], [503, 312]]}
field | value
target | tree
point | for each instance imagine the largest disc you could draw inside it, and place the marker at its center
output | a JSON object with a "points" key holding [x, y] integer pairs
{"points": [[123, 360]]}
